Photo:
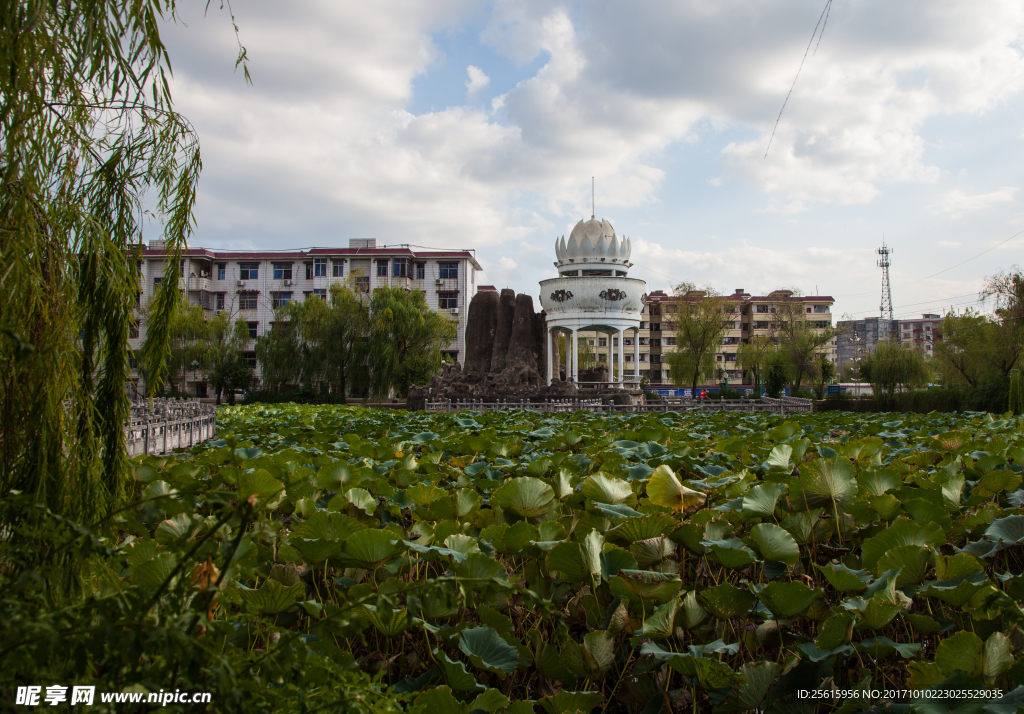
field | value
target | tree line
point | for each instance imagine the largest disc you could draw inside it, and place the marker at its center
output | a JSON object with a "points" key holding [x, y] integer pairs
{"points": [[348, 343]]}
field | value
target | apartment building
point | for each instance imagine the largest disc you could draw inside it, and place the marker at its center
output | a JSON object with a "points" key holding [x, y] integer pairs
{"points": [[922, 334], [253, 284], [860, 337], [754, 315]]}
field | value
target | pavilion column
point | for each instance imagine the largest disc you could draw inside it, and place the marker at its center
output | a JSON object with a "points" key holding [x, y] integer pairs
{"points": [[622, 372], [551, 357], [636, 354], [575, 358]]}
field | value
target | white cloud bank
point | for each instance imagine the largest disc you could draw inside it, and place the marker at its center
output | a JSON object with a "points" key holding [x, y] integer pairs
{"points": [[956, 203]]}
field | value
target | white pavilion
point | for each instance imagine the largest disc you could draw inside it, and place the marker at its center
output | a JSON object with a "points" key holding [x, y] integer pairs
{"points": [[592, 292]]}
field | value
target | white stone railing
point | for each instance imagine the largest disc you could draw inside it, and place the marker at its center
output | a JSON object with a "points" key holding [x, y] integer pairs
{"points": [[159, 426], [669, 404]]}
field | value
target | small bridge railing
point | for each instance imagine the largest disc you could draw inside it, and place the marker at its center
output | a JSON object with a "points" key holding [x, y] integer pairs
{"points": [[159, 426], [669, 404]]}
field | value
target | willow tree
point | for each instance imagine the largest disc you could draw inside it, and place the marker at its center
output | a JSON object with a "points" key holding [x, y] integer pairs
{"points": [[88, 135], [700, 324]]}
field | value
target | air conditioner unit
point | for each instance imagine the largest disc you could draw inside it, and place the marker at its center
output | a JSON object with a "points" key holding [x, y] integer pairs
{"points": [[240, 283], [455, 311], [439, 282], [286, 281]]}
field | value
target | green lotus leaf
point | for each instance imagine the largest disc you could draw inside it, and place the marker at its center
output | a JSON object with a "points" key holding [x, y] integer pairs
{"points": [[693, 614], [902, 531], [835, 631], [175, 528], [615, 560], [726, 601], [602, 488], [1010, 703], [760, 500], [1006, 530], [438, 700], [593, 658], [455, 674], [882, 647], [845, 579], [618, 511], [964, 651], [273, 598], [370, 548], [327, 526], [571, 702], [911, 560], [653, 550], [998, 481], [490, 701], [661, 623], [487, 650], [731, 553], [525, 496], [336, 477], [788, 599], [664, 489], [828, 483], [576, 562], [387, 621], [259, 483], [645, 584], [775, 543], [315, 550], [151, 574], [362, 499], [886, 506], [813, 654], [635, 528], [875, 612], [713, 674], [877, 482], [779, 458]]}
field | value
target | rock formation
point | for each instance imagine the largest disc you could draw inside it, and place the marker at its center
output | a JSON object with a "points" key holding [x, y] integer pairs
{"points": [[505, 360]]}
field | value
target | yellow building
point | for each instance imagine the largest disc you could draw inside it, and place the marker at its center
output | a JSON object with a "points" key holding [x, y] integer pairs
{"points": [[754, 315]]}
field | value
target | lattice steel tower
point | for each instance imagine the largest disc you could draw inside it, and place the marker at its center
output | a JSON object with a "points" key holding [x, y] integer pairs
{"points": [[883, 263]]}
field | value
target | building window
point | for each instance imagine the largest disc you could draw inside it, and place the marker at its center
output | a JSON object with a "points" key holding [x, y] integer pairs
{"points": [[762, 309], [362, 284], [247, 301], [133, 332], [250, 359], [252, 329], [656, 358], [669, 340], [281, 299], [822, 324], [643, 341], [222, 271], [337, 268], [157, 280], [401, 268], [382, 268], [447, 301], [421, 271], [602, 341], [821, 308], [282, 271], [628, 341], [629, 358], [760, 325], [449, 271], [655, 327], [319, 267], [730, 357], [248, 271], [602, 357], [320, 293], [643, 357], [220, 301]]}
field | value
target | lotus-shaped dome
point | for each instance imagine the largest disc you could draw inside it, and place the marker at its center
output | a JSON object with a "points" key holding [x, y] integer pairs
{"points": [[592, 241]]}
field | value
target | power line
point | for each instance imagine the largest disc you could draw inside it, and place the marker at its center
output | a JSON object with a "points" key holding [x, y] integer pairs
{"points": [[823, 16]]}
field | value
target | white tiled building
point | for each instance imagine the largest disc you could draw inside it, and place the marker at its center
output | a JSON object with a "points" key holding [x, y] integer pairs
{"points": [[251, 284]]}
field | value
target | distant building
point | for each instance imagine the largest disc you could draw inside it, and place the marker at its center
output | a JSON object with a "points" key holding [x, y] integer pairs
{"points": [[253, 284], [859, 337], [754, 315], [922, 334]]}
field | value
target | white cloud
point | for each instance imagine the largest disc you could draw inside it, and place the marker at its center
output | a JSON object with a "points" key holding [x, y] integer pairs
{"points": [[477, 80], [949, 244], [717, 181], [956, 203]]}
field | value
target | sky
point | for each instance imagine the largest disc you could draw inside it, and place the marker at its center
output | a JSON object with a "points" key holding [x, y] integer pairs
{"points": [[478, 125]]}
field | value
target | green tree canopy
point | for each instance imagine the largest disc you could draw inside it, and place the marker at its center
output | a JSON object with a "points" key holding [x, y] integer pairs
{"points": [[700, 322]]}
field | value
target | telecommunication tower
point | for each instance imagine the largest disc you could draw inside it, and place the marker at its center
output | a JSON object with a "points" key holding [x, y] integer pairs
{"points": [[883, 263]]}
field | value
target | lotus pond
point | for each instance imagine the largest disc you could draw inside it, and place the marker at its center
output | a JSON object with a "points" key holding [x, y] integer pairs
{"points": [[515, 561]]}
